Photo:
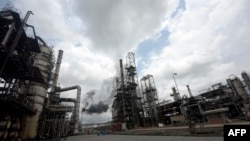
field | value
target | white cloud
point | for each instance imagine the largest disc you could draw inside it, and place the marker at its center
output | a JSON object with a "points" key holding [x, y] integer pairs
{"points": [[116, 27], [208, 42]]}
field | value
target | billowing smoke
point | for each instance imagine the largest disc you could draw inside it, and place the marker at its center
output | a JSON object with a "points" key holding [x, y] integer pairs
{"points": [[88, 99], [96, 108], [105, 97], [90, 94]]}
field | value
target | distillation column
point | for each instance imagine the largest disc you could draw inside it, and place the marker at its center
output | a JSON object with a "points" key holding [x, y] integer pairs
{"points": [[38, 91], [131, 83]]}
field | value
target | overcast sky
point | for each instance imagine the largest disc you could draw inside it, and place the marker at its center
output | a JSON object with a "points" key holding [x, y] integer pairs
{"points": [[202, 41]]}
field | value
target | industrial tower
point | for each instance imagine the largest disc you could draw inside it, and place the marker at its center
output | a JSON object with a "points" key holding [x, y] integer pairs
{"points": [[150, 99], [127, 106]]}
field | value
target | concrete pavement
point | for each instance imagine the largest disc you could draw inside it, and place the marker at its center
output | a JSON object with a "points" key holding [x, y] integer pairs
{"points": [[139, 138]]}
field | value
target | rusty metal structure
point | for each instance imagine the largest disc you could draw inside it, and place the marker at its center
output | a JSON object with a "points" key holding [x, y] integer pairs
{"points": [[28, 110]]}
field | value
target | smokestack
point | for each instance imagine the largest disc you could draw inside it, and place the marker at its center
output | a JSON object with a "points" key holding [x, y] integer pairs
{"points": [[122, 87], [56, 74]]}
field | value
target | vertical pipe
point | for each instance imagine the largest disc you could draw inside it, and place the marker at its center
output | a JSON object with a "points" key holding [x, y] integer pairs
{"points": [[56, 74], [122, 86]]}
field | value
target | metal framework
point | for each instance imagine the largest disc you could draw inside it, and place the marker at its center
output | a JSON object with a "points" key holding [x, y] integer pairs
{"points": [[150, 98], [127, 104], [16, 70]]}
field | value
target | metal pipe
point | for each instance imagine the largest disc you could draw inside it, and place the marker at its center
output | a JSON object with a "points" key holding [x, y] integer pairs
{"points": [[68, 99], [77, 106], [122, 86], [56, 74]]}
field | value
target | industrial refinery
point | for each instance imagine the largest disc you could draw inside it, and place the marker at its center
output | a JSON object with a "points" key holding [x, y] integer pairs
{"points": [[32, 107], [136, 104]]}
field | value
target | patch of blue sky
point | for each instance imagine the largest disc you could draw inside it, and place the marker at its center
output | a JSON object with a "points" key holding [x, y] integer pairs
{"points": [[154, 46], [3, 3], [181, 7], [151, 46]]}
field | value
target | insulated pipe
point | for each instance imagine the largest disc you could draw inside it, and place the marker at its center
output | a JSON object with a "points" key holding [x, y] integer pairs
{"points": [[77, 106]]}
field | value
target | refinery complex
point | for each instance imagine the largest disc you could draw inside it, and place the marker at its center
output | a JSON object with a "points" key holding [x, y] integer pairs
{"points": [[136, 101], [32, 107]]}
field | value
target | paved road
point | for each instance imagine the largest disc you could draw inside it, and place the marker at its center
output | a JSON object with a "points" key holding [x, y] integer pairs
{"points": [[139, 138]]}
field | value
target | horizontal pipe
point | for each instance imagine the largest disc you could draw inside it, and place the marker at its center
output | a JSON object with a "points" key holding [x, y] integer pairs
{"points": [[77, 105], [67, 99]]}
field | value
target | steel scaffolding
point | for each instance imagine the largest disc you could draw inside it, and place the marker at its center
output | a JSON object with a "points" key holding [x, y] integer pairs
{"points": [[150, 99]]}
